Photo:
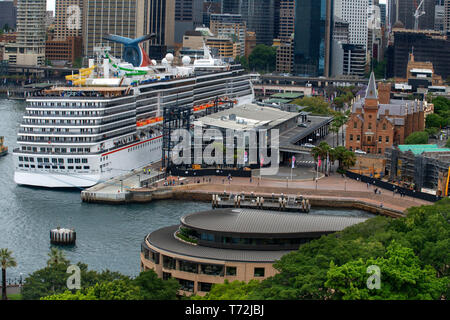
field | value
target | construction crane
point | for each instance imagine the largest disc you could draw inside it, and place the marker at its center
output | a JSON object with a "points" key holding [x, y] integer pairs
{"points": [[417, 14]]}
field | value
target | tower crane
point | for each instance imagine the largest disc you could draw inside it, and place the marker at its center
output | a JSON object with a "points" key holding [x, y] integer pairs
{"points": [[417, 14]]}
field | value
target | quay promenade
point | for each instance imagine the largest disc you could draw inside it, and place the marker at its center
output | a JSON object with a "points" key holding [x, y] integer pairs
{"points": [[332, 191]]}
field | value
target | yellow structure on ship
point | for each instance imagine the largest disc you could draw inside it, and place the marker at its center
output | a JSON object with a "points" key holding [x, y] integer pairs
{"points": [[3, 149], [80, 79]]}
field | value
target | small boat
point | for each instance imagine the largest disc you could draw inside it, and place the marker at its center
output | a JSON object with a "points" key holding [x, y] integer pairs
{"points": [[3, 149]]}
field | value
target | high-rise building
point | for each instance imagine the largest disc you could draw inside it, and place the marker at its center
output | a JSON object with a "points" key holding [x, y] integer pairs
{"points": [[285, 34], [157, 16], [188, 16], [312, 39], [230, 26], [427, 45], [341, 30], [446, 16], [210, 7], [355, 13], [405, 14], [29, 48], [258, 15], [439, 15], [68, 19], [8, 14], [108, 17]]}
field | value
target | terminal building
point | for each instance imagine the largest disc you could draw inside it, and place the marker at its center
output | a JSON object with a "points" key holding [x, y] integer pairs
{"points": [[234, 244]]}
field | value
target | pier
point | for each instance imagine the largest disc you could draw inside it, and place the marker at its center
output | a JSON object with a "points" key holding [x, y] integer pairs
{"points": [[251, 201]]}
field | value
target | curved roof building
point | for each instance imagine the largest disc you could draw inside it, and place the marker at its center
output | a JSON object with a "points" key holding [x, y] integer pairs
{"points": [[234, 244]]}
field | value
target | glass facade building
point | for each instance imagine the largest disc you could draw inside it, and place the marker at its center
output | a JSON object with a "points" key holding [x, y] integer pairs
{"points": [[312, 38]]}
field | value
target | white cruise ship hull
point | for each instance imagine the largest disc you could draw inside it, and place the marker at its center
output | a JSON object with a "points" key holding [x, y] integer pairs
{"points": [[102, 167]]}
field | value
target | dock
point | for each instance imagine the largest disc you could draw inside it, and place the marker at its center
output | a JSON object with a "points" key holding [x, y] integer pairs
{"points": [[279, 202], [120, 189]]}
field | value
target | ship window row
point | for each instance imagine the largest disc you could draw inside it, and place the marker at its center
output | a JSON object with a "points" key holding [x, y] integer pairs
{"points": [[66, 104], [77, 131], [144, 145], [57, 150], [53, 160], [32, 166], [84, 122], [75, 139]]}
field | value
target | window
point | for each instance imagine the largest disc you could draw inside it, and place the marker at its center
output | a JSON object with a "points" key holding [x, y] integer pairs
{"points": [[355, 125], [231, 271], [167, 275], [380, 139], [369, 138], [384, 126], [387, 138], [212, 269], [358, 137], [379, 150], [370, 125], [69, 160], [186, 285], [187, 266], [168, 262], [259, 272], [204, 286], [351, 137]]}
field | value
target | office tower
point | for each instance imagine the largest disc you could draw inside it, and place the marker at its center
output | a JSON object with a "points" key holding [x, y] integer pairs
{"points": [[406, 9], [68, 19], [439, 16], [427, 45], [276, 18], [285, 34], [341, 30], [446, 16], [157, 16], [231, 6], [382, 7], [258, 15], [29, 48], [188, 16], [312, 48], [355, 13], [8, 14], [210, 7], [230, 26]]}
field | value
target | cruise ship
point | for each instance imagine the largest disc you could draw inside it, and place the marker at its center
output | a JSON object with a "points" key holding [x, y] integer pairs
{"points": [[107, 120]]}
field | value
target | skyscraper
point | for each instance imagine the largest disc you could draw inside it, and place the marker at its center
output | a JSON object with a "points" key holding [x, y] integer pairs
{"points": [[108, 17], [312, 39], [68, 19], [355, 13], [446, 16], [285, 34], [406, 9], [188, 16], [259, 16], [29, 48]]}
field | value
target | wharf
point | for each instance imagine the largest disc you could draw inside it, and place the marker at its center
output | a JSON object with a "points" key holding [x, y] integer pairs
{"points": [[120, 189]]}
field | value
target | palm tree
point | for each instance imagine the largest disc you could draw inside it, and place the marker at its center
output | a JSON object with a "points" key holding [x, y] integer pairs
{"points": [[56, 257], [349, 159], [7, 262], [322, 150]]}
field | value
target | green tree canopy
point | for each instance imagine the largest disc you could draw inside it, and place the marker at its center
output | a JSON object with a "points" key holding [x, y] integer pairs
{"points": [[434, 120], [315, 105], [154, 288], [263, 58], [236, 290], [418, 137]]}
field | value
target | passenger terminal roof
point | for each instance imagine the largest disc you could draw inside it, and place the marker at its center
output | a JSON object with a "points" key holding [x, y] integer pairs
{"points": [[247, 117], [250, 221]]}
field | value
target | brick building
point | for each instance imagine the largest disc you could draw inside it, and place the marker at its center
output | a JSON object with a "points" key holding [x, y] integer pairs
{"points": [[379, 122], [68, 49]]}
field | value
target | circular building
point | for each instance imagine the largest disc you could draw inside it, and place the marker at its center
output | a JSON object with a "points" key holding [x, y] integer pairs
{"points": [[235, 244]]}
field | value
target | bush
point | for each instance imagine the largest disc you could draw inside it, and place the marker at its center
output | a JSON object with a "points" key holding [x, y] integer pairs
{"points": [[419, 137]]}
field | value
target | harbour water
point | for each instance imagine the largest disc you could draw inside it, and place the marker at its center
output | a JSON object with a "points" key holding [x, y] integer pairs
{"points": [[108, 236]]}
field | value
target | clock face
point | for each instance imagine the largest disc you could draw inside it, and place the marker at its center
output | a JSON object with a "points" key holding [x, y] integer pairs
{"points": [[132, 55]]}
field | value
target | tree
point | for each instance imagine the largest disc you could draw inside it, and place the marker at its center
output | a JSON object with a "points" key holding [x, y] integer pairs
{"points": [[243, 61], [263, 58], [315, 105], [113, 290], [346, 158], [236, 290], [7, 261], [418, 137], [153, 288], [434, 120], [401, 277], [56, 257], [322, 150]]}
